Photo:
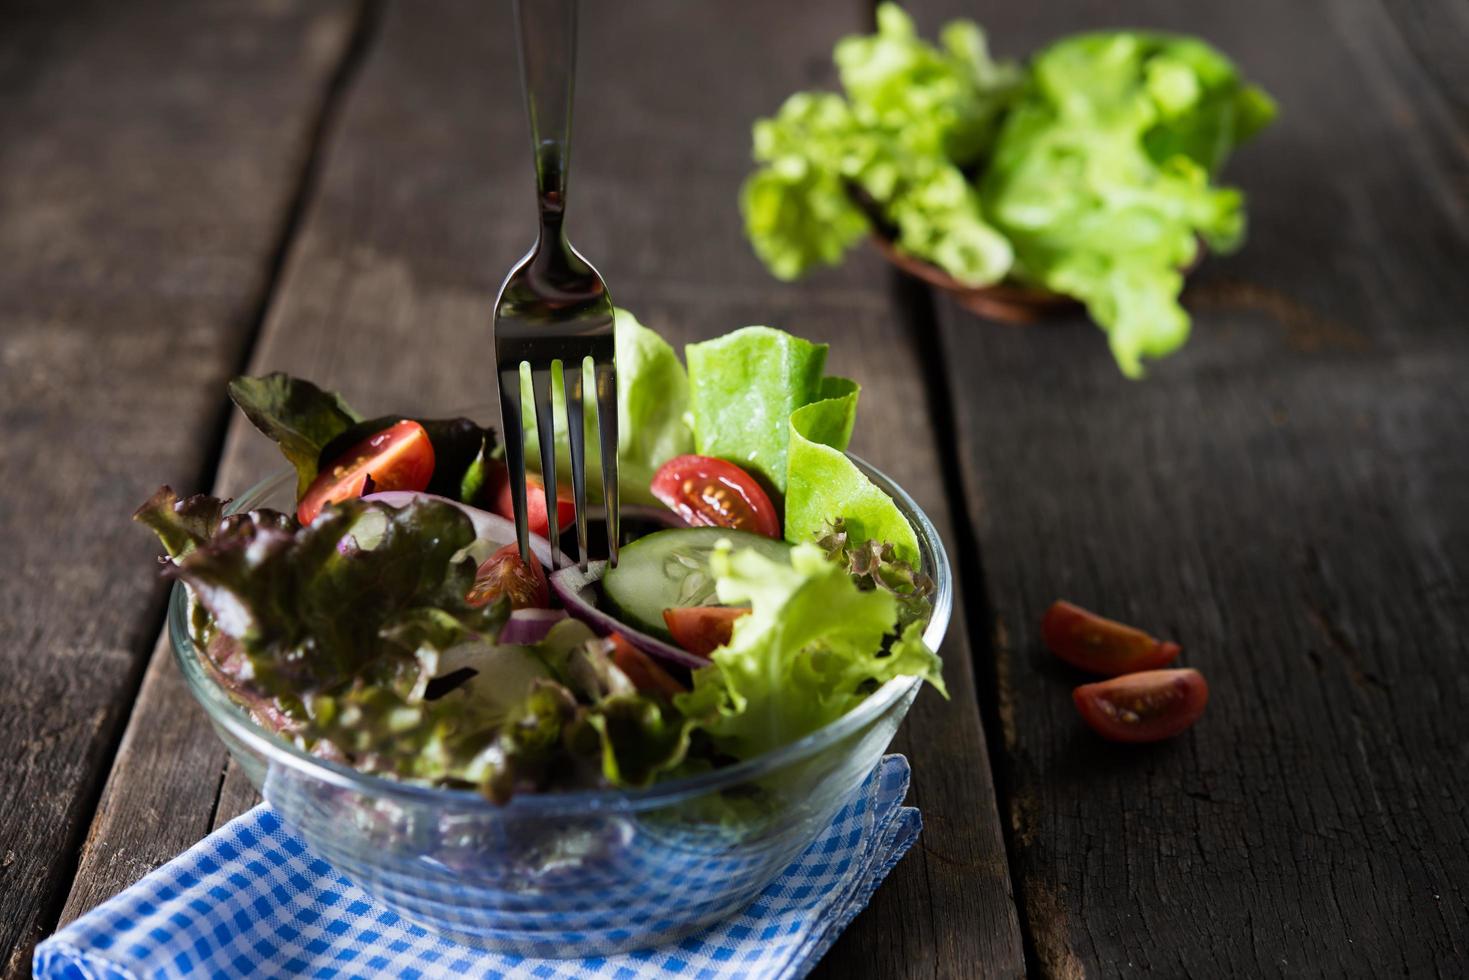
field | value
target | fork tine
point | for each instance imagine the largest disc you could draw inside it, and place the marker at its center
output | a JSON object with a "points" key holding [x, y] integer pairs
{"points": [[606, 375], [540, 385], [514, 433], [571, 380]]}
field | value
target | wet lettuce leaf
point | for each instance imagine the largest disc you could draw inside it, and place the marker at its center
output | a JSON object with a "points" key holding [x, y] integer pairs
{"points": [[760, 400], [743, 388], [637, 738], [813, 647]]}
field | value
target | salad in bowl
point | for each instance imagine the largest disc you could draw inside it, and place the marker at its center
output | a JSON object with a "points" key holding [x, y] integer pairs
{"points": [[560, 756]]}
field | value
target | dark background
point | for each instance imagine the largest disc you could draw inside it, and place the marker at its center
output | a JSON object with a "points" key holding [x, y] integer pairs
{"points": [[188, 190]]}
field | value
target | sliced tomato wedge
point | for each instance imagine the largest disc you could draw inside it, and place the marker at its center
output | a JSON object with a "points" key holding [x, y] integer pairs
{"points": [[506, 573], [400, 457], [715, 493], [535, 502], [1101, 646], [702, 629], [1145, 707], [644, 672]]}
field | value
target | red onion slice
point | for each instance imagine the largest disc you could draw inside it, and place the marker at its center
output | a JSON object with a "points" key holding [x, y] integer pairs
{"points": [[578, 593], [526, 627]]}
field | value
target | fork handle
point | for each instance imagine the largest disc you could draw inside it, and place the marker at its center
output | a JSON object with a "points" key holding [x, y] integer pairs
{"points": [[548, 69]]}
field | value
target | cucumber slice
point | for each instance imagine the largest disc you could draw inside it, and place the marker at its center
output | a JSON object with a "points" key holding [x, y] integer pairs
{"points": [[670, 569]]}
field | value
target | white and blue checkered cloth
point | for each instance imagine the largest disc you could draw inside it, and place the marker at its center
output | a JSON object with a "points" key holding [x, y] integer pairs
{"points": [[250, 900]]}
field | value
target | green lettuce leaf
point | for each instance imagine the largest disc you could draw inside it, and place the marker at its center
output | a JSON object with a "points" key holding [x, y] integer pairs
{"points": [[652, 404], [798, 210], [296, 415], [825, 486], [913, 118], [1102, 177], [812, 648], [745, 385], [760, 400]]}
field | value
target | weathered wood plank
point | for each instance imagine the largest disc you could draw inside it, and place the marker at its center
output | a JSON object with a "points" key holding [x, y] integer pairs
{"points": [[146, 158], [1287, 498], [425, 200]]}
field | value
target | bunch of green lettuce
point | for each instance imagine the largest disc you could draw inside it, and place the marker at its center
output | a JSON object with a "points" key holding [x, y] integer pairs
{"points": [[1089, 174], [913, 118], [1102, 177]]}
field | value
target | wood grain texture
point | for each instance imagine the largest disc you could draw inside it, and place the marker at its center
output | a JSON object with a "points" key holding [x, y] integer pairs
{"points": [[146, 154], [425, 200], [1287, 497]]}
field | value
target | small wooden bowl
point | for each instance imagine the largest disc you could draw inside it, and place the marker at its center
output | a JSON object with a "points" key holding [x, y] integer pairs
{"points": [[1006, 302]]}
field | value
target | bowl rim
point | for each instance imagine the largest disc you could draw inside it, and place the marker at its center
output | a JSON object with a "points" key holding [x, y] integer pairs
{"points": [[234, 719]]}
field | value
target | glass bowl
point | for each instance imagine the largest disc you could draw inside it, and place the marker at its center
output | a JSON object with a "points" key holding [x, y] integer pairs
{"points": [[568, 874]]}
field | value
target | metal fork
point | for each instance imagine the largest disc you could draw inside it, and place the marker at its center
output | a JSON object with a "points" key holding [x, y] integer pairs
{"points": [[554, 312]]}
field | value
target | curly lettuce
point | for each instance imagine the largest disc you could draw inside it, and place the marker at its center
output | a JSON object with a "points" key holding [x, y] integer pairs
{"points": [[1102, 177], [913, 118], [813, 647], [1091, 173]]}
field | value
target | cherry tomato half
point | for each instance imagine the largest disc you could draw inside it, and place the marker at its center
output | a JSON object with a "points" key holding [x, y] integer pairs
{"points": [[712, 492], [506, 573], [400, 457], [1101, 646], [702, 629], [535, 502], [1145, 707], [644, 672]]}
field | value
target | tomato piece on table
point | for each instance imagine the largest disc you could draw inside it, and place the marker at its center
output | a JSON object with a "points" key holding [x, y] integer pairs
{"points": [[1144, 707], [506, 573], [702, 629], [715, 493], [535, 502], [644, 672], [400, 457], [1102, 646]]}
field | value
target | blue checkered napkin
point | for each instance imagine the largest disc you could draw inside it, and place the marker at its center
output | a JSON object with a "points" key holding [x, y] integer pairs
{"points": [[251, 900]]}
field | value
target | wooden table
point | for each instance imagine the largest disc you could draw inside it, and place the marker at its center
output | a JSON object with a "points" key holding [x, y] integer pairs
{"points": [[190, 190]]}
